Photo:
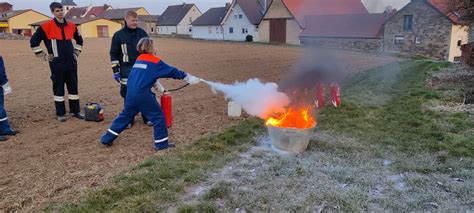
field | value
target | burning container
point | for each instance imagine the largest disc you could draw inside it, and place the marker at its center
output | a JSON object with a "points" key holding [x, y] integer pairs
{"points": [[291, 131], [291, 140]]}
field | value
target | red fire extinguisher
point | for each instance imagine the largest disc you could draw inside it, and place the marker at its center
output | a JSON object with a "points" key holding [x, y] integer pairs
{"points": [[335, 95], [319, 102], [167, 107]]}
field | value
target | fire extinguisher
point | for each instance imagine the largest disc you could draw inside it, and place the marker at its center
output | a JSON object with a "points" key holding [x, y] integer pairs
{"points": [[319, 102], [167, 107], [335, 95]]}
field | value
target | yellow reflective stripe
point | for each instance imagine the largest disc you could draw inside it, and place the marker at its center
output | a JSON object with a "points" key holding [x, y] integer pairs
{"points": [[54, 45], [59, 98], [73, 97], [78, 47], [37, 49]]}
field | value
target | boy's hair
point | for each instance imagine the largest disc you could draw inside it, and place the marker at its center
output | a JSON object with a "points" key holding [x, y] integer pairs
{"points": [[131, 13], [55, 5], [145, 46]]}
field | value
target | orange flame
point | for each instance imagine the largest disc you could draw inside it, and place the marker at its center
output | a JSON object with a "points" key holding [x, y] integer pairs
{"points": [[293, 118]]}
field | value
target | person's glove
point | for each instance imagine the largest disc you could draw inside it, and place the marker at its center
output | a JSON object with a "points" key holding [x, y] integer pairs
{"points": [[117, 77], [158, 86], [7, 89], [192, 79], [45, 57], [77, 53]]}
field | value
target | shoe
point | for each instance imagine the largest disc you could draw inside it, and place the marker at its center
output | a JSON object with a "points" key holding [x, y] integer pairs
{"points": [[3, 138], [9, 133], [149, 123], [170, 145], [78, 116], [62, 118]]}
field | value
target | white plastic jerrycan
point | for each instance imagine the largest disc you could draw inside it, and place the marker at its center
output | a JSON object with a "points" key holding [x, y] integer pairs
{"points": [[234, 109]]}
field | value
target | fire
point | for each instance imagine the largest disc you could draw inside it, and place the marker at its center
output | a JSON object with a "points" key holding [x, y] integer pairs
{"points": [[293, 118]]}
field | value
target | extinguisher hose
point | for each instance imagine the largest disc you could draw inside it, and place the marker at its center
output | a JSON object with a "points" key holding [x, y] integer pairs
{"points": [[181, 87]]}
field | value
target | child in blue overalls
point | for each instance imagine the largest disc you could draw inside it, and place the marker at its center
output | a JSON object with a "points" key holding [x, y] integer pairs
{"points": [[144, 76], [5, 128]]}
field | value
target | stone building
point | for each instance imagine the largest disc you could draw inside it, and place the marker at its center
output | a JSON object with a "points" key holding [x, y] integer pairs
{"points": [[359, 32], [424, 27]]}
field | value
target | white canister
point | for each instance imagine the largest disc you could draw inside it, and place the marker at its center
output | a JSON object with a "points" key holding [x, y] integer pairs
{"points": [[234, 109]]}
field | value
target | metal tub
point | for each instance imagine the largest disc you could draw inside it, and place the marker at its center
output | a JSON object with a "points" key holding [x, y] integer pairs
{"points": [[290, 139]]}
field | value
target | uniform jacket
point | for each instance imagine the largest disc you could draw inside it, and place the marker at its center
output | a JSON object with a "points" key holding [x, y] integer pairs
{"points": [[57, 38], [147, 69], [3, 74], [123, 51]]}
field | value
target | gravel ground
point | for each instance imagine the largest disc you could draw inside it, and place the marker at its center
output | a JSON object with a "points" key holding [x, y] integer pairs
{"points": [[50, 162]]}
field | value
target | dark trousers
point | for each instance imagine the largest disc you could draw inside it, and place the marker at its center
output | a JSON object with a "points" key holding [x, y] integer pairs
{"points": [[68, 78]]}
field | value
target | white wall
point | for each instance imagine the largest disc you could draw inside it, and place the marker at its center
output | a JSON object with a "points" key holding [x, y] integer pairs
{"points": [[208, 32], [185, 24], [167, 30], [238, 24]]}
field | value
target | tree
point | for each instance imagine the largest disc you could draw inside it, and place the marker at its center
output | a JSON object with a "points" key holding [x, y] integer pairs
{"points": [[462, 8]]}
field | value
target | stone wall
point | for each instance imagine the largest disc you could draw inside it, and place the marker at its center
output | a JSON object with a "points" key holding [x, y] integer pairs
{"points": [[9, 36], [431, 26], [357, 44]]}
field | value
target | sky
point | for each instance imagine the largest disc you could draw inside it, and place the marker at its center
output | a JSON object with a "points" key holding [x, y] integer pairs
{"points": [[156, 7]]}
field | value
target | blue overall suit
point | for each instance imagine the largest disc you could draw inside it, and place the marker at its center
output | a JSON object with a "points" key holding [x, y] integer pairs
{"points": [[4, 125], [147, 69]]}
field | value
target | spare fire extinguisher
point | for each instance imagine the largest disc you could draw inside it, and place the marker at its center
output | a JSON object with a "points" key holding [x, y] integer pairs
{"points": [[167, 107], [335, 95], [319, 102]]}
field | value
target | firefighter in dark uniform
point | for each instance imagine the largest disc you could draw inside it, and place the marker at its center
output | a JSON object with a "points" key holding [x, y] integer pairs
{"points": [[123, 53], [57, 35]]}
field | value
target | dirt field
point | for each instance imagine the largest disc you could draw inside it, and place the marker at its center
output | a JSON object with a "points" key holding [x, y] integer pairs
{"points": [[50, 161]]}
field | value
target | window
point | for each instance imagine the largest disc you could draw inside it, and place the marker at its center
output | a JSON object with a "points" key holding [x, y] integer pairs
{"points": [[190, 19], [152, 30], [408, 23], [210, 30], [190, 29], [417, 39], [236, 15], [231, 30], [217, 30], [457, 59], [245, 30], [241, 15], [459, 43], [399, 39]]}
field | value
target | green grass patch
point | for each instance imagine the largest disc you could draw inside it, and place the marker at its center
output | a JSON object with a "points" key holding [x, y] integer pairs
{"points": [[398, 118], [156, 183]]}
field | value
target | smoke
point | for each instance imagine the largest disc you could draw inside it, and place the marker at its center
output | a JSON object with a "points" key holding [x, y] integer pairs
{"points": [[317, 66], [257, 98]]}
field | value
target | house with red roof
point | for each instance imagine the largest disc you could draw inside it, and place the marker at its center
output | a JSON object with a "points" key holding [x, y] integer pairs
{"points": [[360, 32], [285, 20], [426, 28], [87, 12]]}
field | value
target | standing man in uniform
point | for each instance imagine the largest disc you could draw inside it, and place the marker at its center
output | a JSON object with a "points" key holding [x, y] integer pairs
{"points": [[123, 53], [57, 35]]}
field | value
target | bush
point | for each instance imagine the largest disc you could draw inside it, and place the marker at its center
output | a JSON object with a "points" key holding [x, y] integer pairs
{"points": [[249, 38]]}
